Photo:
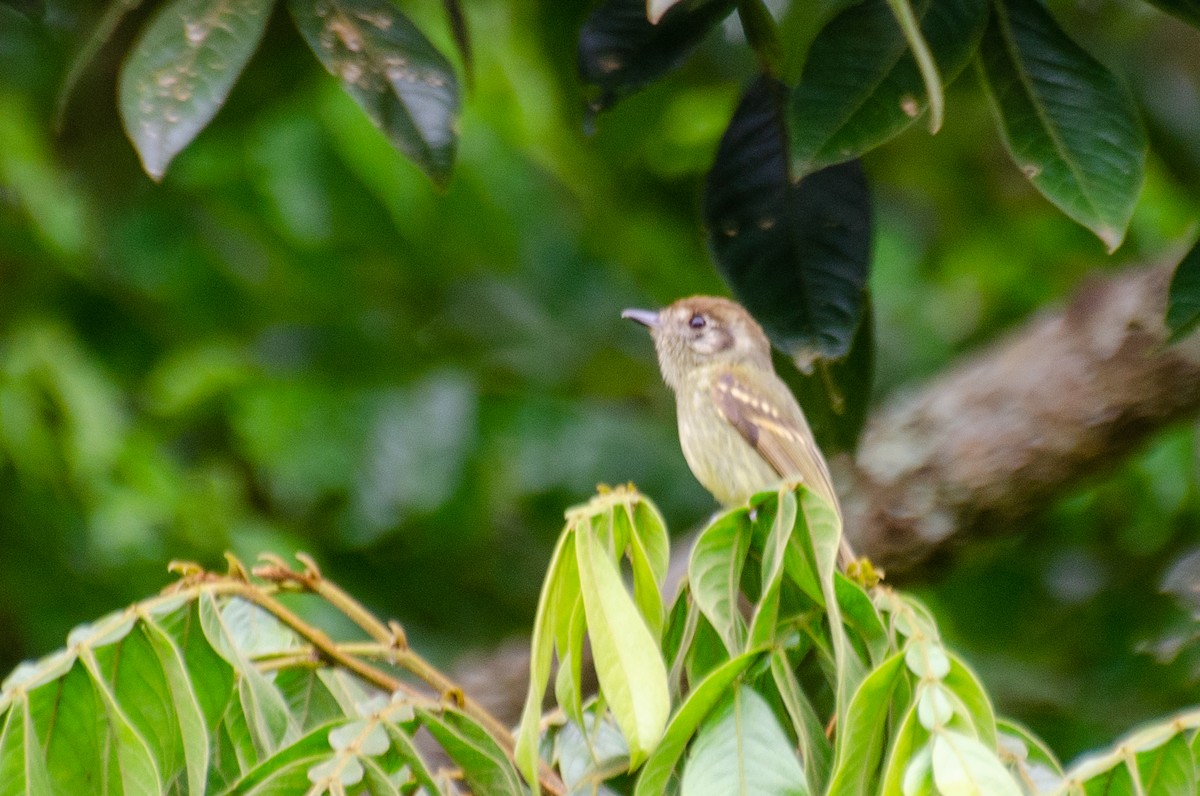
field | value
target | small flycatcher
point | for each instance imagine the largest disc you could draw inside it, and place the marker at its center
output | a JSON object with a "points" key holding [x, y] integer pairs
{"points": [[740, 427]]}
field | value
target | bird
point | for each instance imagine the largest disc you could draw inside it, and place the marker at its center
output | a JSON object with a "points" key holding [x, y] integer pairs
{"points": [[741, 429]]}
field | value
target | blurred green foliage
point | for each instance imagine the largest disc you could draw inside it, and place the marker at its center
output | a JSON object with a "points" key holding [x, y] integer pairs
{"points": [[295, 342]]}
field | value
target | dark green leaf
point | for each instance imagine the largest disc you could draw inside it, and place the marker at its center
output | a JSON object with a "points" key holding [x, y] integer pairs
{"points": [[620, 50], [181, 70], [1069, 124], [404, 84], [795, 254], [1183, 299], [861, 85], [99, 34], [837, 394], [1187, 10]]}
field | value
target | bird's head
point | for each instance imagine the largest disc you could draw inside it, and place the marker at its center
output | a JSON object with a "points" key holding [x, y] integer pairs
{"points": [[703, 330]]}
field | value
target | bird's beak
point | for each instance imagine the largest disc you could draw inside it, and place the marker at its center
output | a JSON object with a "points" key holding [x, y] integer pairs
{"points": [[647, 318]]}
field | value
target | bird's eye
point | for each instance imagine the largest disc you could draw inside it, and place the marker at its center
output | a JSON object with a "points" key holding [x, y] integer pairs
{"points": [[697, 322]]}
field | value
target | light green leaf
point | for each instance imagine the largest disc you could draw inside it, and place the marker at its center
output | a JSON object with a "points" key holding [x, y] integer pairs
{"points": [[22, 760], [547, 621], [962, 766], [266, 711], [181, 69], [659, 766], [715, 575], [633, 678], [1070, 125], [192, 728], [407, 88], [908, 767], [741, 749], [963, 683], [137, 770], [860, 734], [649, 549], [287, 770]]}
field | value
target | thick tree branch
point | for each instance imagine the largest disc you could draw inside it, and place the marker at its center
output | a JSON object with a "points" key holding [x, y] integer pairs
{"points": [[990, 442]]}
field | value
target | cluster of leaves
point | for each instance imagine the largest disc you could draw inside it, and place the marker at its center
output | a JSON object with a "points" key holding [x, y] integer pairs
{"points": [[191, 52], [772, 673], [218, 687]]}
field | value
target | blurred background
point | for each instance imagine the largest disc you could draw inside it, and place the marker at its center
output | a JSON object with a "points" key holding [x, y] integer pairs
{"points": [[294, 342]]}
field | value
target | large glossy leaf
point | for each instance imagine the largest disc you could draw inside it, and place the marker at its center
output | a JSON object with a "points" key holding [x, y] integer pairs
{"points": [[407, 88], [1069, 124], [742, 751], [620, 50], [1183, 298], [795, 253], [861, 84], [181, 69]]}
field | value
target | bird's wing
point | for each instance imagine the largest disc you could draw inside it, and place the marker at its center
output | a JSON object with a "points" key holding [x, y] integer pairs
{"points": [[777, 430]]}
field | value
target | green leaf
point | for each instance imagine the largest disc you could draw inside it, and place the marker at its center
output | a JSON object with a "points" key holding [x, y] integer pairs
{"points": [[287, 769], [860, 734], [620, 50], [407, 88], [861, 85], [137, 771], [1070, 125], [661, 764], [181, 69], [22, 759], [485, 766], [649, 551], [550, 612], [192, 728], [741, 749], [796, 254], [412, 756], [766, 612], [816, 752], [266, 711], [633, 678], [908, 758], [98, 35], [1183, 298], [1187, 10], [963, 683], [715, 575], [962, 766], [907, 20], [568, 682]]}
